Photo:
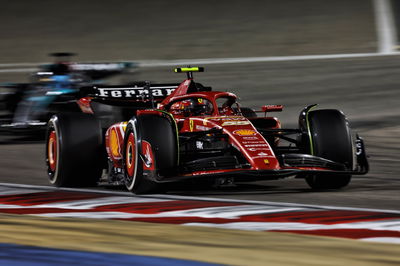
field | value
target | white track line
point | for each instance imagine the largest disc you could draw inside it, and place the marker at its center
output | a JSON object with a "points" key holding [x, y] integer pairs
{"points": [[176, 197], [18, 70], [209, 61], [385, 27]]}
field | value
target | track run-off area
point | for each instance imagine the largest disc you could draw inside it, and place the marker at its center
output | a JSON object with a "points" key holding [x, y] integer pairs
{"points": [[193, 229]]}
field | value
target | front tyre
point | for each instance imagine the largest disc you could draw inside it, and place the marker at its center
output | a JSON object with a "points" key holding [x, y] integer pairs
{"points": [[330, 139], [160, 133]]}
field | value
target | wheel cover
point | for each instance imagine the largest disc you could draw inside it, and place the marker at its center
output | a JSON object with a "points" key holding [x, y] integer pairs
{"points": [[52, 155], [131, 161]]}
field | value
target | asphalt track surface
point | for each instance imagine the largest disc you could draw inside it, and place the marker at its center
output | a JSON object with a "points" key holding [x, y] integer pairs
{"points": [[365, 89]]}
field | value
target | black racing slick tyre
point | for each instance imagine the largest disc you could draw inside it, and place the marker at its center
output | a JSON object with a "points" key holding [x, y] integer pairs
{"points": [[160, 133], [74, 150], [330, 139]]}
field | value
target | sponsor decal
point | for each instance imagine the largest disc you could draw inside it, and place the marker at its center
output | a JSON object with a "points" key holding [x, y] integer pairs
{"points": [[250, 138], [233, 118], [114, 144], [191, 125], [114, 139], [253, 142], [226, 118], [202, 128], [148, 156], [256, 145], [258, 149], [262, 154], [199, 145], [236, 123], [134, 92], [266, 161], [245, 132], [263, 157]]}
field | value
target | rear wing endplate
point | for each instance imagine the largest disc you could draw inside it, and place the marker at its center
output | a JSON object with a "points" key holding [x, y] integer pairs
{"points": [[134, 92]]}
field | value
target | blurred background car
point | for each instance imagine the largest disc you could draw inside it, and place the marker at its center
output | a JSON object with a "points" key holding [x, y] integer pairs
{"points": [[25, 108]]}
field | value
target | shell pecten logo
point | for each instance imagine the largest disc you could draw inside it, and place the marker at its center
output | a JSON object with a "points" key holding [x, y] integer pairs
{"points": [[245, 132]]}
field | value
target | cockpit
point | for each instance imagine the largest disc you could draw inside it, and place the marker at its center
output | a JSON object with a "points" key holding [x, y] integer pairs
{"points": [[195, 106], [202, 106]]}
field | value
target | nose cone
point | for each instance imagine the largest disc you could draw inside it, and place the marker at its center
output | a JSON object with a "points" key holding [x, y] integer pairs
{"points": [[245, 137]]}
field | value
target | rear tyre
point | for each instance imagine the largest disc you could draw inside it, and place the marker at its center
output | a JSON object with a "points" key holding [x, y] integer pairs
{"points": [[331, 139], [160, 133], [74, 151]]}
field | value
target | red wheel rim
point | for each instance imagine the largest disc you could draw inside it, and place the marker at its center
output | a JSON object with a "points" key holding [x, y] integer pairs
{"points": [[130, 157], [52, 150]]}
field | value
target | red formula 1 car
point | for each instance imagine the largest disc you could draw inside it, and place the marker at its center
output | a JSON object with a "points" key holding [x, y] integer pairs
{"points": [[173, 132]]}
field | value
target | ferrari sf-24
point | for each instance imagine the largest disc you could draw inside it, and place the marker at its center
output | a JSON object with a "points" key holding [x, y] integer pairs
{"points": [[175, 132]]}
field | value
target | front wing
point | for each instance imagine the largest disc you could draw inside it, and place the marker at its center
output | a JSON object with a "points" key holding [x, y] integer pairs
{"points": [[361, 168]]}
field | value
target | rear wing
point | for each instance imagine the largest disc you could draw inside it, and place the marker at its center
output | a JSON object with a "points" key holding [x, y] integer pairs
{"points": [[136, 92]]}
